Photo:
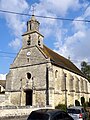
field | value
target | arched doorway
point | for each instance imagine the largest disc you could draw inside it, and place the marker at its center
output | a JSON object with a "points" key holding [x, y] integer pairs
{"points": [[29, 94]]}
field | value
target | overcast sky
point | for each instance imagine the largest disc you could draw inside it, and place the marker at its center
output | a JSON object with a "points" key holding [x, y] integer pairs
{"points": [[68, 38]]}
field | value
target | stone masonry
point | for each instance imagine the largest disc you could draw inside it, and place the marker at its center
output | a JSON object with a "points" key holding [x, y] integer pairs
{"points": [[33, 80]]}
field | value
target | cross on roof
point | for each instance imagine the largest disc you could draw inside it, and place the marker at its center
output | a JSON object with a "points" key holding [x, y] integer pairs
{"points": [[33, 10]]}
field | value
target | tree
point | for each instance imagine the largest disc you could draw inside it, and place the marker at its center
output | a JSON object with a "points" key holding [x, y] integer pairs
{"points": [[85, 68], [61, 106]]}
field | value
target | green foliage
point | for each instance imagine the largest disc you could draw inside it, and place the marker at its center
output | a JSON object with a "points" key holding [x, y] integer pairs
{"points": [[86, 104], [85, 68], [61, 107], [77, 103]]}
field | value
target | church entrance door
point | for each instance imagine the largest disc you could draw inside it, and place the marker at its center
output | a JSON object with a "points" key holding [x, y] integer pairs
{"points": [[29, 97]]}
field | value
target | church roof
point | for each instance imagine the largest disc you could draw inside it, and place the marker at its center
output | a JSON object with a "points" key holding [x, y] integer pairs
{"points": [[60, 61]]}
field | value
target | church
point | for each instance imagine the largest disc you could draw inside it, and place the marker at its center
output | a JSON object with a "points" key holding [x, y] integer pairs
{"points": [[39, 76]]}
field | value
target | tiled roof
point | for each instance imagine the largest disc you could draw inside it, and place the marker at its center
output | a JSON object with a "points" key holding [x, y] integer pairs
{"points": [[60, 61]]}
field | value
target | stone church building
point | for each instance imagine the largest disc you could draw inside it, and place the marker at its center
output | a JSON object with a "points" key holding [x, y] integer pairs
{"points": [[39, 77]]}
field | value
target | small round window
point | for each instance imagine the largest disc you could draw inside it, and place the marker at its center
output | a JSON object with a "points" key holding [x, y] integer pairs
{"points": [[28, 75]]}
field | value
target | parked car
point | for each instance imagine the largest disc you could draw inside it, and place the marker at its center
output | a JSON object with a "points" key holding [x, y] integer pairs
{"points": [[49, 114], [77, 113]]}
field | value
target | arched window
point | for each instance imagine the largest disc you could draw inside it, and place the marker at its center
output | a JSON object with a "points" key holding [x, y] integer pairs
{"points": [[82, 87], [86, 86], [39, 42], [56, 74], [77, 85], [29, 40], [27, 59], [71, 83], [28, 75]]}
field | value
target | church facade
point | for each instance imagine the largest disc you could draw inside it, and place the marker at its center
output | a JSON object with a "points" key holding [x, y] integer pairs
{"points": [[39, 77]]}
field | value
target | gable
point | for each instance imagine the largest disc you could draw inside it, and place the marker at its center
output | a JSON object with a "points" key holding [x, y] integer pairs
{"points": [[30, 56]]}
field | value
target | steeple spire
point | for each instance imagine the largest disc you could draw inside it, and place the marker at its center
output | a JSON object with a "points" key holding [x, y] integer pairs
{"points": [[32, 36]]}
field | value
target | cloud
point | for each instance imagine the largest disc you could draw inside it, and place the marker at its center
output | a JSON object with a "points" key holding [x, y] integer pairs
{"points": [[2, 76], [47, 8], [16, 23], [15, 43], [54, 8], [76, 45], [87, 14], [69, 39], [58, 7]]}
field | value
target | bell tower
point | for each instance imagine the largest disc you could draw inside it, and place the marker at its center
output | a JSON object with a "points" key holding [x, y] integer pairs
{"points": [[33, 24], [32, 36]]}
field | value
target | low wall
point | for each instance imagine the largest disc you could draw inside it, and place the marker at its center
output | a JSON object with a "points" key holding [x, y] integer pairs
{"points": [[2, 98], [14, 118], [13, 111]]}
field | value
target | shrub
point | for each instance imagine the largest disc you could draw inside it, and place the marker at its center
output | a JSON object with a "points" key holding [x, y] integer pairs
{"points": [[61, 107], [86, 104]]}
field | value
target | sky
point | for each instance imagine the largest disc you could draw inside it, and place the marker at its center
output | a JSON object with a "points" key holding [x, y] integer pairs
{"points": [[70, 39]]}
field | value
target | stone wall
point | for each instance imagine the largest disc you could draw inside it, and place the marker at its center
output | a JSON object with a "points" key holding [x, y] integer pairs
{"points": [[17, 81], [59, 80], [74, 90], [2, 98], [14, 112]]}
